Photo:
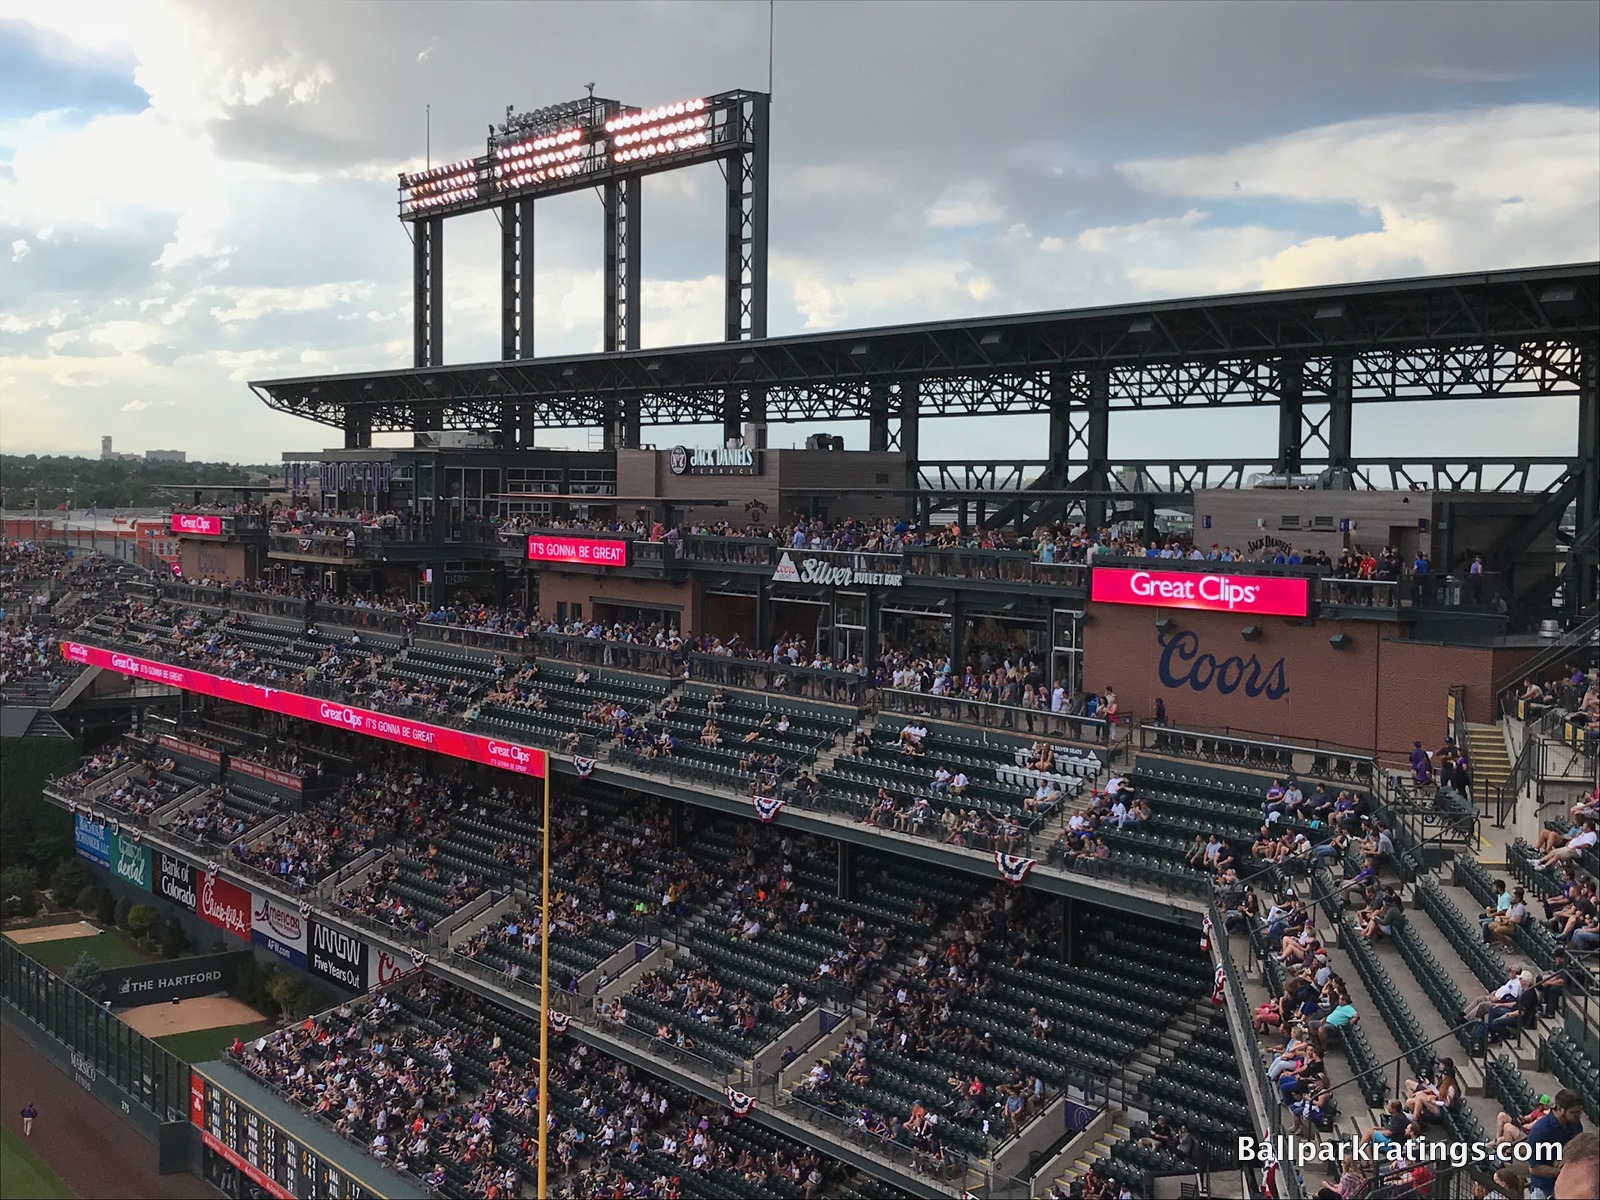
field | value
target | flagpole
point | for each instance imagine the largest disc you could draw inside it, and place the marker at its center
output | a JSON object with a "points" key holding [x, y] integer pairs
{"points": [[544, 988]]}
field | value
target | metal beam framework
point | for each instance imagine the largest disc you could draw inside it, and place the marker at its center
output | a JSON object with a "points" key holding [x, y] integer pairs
{"points": [[427, 293]]}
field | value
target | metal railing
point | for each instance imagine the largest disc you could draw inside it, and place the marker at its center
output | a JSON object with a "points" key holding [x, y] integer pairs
{"points": [[763, 675], [1011, 718]]}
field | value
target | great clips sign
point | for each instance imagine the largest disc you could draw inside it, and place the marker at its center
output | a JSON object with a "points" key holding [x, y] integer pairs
{"points": [[580, 551], [196, 523], [1246, 595], [455, 743]]}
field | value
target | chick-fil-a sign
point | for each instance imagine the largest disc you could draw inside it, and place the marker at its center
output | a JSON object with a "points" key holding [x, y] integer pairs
{"points": [[196, 523], [457, 743], [1255, 595], [584, 552]]}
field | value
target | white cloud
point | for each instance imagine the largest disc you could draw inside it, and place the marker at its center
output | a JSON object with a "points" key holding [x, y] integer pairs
{"points": [[133, 406], [426, 52], [77, 379], [19, 250], [965, 204]]}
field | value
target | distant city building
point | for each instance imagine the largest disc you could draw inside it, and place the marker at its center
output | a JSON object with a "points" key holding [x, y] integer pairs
{"points": [[165, 456], [107, 454]]}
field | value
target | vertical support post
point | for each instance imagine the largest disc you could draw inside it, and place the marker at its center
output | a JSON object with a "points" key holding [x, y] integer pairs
{"points": [[1097, 446], [745, 225], [911, 438], [958, 633], [621, 298], [1341, 411], [847, 872], [357, 429], [1291, 415], [427, 292], [544, 988], [1586, 549], [516, 311], [877, 415], [732, 413]]}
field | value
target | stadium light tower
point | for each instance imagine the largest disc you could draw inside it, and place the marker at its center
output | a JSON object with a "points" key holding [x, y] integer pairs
{"points": [[594, 143]]}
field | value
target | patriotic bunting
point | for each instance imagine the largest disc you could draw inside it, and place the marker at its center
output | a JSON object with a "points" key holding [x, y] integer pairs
{"points": [[559, 1022], [740, 1103], [418, 958], [305, 910], [767, 807], [1218, 986], [584, 766], [1205, 934], [1013, 868]]}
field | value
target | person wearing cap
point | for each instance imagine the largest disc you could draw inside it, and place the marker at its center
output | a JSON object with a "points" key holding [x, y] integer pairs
{"points": [[1510, 1129], [1507, 992]]}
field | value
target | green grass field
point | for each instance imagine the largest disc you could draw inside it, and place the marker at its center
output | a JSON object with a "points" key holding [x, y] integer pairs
{"points": [[203, 1045], [24, 1174], [112, 949]]}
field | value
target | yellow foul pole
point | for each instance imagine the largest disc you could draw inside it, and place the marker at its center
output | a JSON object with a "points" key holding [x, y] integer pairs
{"points": [[544, 988]]}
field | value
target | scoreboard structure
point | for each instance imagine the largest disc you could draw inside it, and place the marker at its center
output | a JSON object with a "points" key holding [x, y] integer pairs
{"points": [[608, 146], [248, 1154]]}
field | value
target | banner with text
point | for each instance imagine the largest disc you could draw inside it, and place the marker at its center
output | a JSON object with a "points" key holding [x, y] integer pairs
{"points": [[163, 982], [245, 766], [279, 927], [1246, 595], [337, 956], [456, 743], [223, 904], [93, 839]]}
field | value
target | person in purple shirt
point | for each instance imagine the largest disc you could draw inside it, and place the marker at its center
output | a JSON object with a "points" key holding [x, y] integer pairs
{"points": [[1421, 764]]}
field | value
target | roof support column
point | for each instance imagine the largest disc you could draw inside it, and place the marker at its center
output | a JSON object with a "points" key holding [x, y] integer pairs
{"points": [[911, 439], [357, 428], [877, 415], [745, 227], [1291, 416], [1097, 447], [1341, 411]]}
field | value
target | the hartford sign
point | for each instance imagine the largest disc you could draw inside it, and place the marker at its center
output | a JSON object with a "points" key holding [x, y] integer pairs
{"points": [[1246, 595], [455, 743]]}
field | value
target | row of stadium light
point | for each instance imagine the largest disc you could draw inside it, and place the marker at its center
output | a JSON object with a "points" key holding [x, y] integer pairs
{"points": [[670, 129], [442, 185], [668, 146], [664, 113], [530, 160], [508, 183], [438, 177], [565, 138]]}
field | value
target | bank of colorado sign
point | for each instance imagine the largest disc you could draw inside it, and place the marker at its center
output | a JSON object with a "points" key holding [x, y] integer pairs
{"points": [[579, 551], [1245, 595], [454, 743]]}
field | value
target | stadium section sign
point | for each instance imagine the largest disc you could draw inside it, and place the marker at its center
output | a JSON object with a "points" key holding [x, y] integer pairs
{"points": [[1246, 595], [580, 551], [454, 743]]}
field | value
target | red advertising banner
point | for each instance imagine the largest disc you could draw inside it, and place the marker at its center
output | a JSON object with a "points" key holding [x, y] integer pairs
{"points": [[192, 749], [255, 1174], [283, 779], [196, 523], [223, 904], [582, 551], [456, 743], [1247, 595], [197, 1100]]}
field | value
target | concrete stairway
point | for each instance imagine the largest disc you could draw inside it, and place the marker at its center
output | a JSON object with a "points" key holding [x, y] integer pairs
{"points": [[1491, 762]]}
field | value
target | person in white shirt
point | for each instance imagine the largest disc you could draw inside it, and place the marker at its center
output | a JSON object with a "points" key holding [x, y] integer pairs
{"points": [[1580, 841], [941, 782]]}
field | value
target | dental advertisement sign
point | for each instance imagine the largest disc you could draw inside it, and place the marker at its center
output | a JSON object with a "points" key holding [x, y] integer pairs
{"points": [[1244, 595], [456, 743]]}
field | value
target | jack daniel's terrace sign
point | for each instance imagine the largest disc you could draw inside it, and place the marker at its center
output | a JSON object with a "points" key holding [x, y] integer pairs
{"points": [[848, 571]]}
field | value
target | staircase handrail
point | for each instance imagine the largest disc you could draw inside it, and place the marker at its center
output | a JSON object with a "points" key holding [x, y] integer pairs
{"points": [[1585, 630]]}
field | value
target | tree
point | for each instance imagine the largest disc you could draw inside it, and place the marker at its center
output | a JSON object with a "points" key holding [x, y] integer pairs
{"points": [[173, 940], [121, 918], [70, 878], [19, 888], [85, 973], [141, 919], [288, 992], [105, 908], [88, 899]]}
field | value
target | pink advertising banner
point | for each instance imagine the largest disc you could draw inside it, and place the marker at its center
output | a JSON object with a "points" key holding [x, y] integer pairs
{"points": [[457, 743], [1256, 595], [196, 523], [283, 779]]}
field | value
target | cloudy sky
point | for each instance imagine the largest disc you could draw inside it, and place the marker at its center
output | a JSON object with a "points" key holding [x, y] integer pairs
{"points": [[193, 195]]}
